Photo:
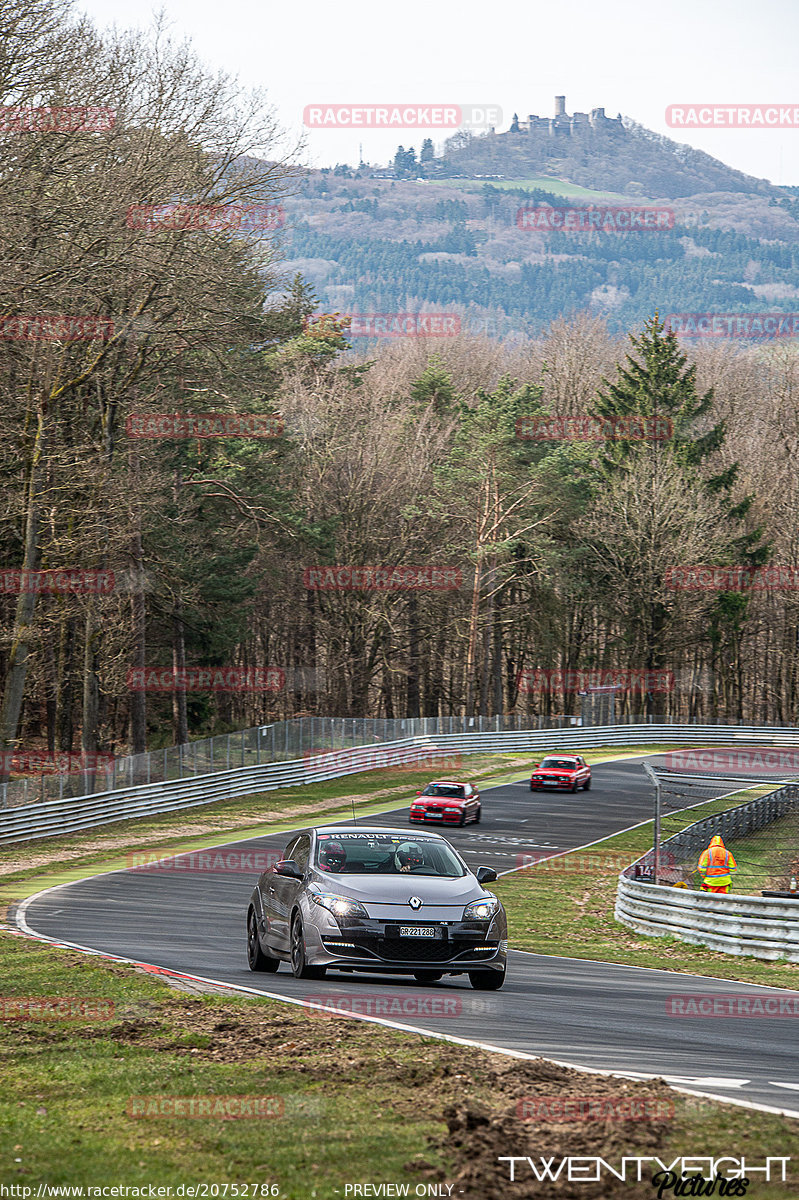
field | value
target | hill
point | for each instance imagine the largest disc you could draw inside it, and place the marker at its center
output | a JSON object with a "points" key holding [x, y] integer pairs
{"points": [[450, 240]]}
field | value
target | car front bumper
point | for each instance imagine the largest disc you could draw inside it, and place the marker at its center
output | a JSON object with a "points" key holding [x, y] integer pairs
{"points": [[375, 945]]}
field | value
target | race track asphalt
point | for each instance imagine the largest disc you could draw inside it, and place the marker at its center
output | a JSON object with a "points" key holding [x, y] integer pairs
{"points": [[591, 1014]]}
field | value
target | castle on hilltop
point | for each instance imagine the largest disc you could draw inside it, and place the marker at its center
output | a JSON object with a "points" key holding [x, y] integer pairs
{"points": [[562, 123]]}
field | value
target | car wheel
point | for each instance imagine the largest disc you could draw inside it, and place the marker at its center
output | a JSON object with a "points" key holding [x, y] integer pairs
{"points": [[479, 814], [532, 789], [299, 966], [428, 976], [573, 787], [255, 956], [487, 981], [462, 820], [587, 785]]}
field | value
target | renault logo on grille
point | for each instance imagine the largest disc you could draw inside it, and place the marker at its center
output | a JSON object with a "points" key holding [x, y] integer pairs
{"points": [[415, 902]]}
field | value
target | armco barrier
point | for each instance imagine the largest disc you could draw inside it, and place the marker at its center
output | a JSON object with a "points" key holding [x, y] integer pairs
{"points": [[760, 926], [51, 817]]}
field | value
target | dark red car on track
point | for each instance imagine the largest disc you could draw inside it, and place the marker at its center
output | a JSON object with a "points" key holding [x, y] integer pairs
{"points": [[564, 771], [446, 802]]}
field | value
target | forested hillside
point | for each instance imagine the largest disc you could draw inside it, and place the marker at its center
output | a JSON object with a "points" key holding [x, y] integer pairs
{"points": [[196, 475], [374, 245]]}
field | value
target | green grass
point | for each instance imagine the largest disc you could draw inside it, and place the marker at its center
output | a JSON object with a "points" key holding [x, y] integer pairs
{"points": [[767, 859], [27, 867], [352, 1102], [547, 183], [566, 907]]}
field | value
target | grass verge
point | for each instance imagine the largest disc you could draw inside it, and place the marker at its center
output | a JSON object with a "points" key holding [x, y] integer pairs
{"points": [[349, 1102], [28, 867], [565, 906]]}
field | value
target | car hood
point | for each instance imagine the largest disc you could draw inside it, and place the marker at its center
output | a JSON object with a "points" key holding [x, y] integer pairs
{"points": [[398, 889]]}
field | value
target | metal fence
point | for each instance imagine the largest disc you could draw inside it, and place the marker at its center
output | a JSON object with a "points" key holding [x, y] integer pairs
{"points": [[323, 760], [282, 741], [288, 741], [759, 926]]}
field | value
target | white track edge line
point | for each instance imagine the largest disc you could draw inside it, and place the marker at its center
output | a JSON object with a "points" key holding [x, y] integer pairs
{"points": [[434, 1034]]}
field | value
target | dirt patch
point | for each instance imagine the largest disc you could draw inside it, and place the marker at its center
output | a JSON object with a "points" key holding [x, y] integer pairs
{"points": [[482, 1106]]}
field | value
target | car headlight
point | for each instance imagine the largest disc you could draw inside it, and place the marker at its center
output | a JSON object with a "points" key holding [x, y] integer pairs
{"points": [[481, 910], [340, 906]]}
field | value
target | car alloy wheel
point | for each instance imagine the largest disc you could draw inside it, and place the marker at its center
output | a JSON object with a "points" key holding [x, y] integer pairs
{"points": [[258, 961], [299, 964]]}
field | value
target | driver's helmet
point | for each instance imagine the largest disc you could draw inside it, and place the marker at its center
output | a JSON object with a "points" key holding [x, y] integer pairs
{"points": [[332, 856], [408, 855]]}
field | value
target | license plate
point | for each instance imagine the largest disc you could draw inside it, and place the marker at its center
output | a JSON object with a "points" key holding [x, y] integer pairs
{"points": [[436, 816], [423, 931]]}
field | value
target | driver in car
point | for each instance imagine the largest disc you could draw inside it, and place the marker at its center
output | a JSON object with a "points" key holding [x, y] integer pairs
{"points": [[408, 857], [332, 857]]}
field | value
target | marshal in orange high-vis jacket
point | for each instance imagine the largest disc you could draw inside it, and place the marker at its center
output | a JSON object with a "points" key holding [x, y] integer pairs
{"points": [[715, 866]]}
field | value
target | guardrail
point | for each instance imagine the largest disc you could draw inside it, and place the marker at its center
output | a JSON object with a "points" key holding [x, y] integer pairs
{"points": [[48, 818], [758, 926]]}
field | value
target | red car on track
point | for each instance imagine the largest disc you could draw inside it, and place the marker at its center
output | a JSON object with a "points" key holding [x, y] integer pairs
{"points": [[568, 771], [447, 803]]}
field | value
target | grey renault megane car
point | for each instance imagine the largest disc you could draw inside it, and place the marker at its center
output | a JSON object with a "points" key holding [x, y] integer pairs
{"points": [[380, 900]]}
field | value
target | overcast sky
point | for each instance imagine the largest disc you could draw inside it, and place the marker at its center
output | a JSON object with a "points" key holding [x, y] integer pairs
{"points": [[628, 57]]}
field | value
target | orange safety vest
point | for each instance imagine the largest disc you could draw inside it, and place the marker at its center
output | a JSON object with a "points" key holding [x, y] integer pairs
{"points": [[715, 864]]}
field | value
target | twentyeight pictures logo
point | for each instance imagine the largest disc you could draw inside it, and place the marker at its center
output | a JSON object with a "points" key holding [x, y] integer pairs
{"points": [[402, 116]]}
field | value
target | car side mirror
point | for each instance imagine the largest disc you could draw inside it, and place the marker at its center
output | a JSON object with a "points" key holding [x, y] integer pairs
{"points": [[418, 792], [536, 764], [486, 874], [288, 868]]}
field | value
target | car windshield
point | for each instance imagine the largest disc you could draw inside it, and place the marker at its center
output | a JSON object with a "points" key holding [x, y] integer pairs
{"points": [[560, 764], [453, 790], [385, 854]]}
